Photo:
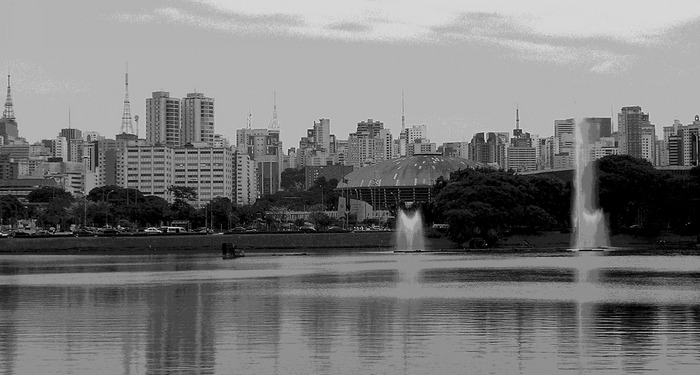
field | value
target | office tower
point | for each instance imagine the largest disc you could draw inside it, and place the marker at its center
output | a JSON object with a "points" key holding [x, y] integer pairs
{"points": [[322, 129], [162, 119], [245, 179], [682, 143], [602, 126], [197, 119], [489, 148], [370, 144], [265, 148], [631, 120], [564, 132]]}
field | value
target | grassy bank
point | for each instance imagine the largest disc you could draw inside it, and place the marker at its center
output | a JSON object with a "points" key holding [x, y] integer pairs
{"points": [[295, 242], [163, 244]]}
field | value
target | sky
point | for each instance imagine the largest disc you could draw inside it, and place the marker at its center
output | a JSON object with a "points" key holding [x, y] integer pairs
{"points": [[464, 66]]}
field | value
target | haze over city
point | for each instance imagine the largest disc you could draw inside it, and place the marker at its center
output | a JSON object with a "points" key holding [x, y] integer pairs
{"points": [[463, 67]]}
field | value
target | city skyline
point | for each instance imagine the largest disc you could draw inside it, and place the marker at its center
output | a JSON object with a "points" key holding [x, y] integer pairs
{"points": [[463, 68]]}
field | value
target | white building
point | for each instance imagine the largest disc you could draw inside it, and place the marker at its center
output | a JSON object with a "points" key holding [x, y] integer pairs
{"points": [[211, 171], [246, 181], [163, 119], [197, 119]]}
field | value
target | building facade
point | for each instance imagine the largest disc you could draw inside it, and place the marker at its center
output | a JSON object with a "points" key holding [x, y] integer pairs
{"points": [[631, 121], [163, 120], [197, 119]]}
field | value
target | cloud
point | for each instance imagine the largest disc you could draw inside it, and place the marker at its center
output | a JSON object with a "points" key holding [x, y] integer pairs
{"points": [[353, 27], [598, 36], [35, 78]]}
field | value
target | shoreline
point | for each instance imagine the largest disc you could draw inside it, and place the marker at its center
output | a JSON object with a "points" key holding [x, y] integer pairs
{"points": [[284, 243]]}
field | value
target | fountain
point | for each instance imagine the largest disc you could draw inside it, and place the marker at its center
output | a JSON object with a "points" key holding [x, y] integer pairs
{"points": [[409, 231], [590, 230]]}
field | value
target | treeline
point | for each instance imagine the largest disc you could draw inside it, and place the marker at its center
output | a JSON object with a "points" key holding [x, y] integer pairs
{"points": [[117, 206], [486, 205]]}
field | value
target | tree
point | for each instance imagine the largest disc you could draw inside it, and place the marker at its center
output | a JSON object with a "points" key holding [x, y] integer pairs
{"points": [[153, 211], [187, 193], [180, 209], [628, 189], [320, 219], [293, 179], [46, 194], [11, 209], [220, 212]]}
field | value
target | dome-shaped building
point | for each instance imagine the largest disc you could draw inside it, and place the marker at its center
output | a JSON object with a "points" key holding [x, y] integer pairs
{"points": [[409, 179]]}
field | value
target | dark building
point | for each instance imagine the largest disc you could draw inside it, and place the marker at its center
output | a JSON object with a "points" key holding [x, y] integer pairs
{"points": [[409, 179], [329, 172], [631, 120]]}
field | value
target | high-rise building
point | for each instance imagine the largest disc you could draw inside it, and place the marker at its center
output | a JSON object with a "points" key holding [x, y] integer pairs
{"points": [[370, 144], [648, 144], [162, 119], [322, 129], [265, 148], [681, 144], [631, 120], [602, 126], [246, 180], [211, 171], [489, 148], [564, 131], [455, 149], [197, 119]]}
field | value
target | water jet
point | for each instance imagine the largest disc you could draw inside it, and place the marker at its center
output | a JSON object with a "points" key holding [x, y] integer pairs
{"points": [[409, 231], [590, 229]]}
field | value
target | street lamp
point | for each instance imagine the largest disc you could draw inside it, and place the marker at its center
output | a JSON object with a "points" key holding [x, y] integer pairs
{"points": [[107, 215]]}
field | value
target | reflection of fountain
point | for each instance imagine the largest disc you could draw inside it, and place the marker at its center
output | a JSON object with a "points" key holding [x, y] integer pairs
{"points": [[409, 231], [590, 230]]}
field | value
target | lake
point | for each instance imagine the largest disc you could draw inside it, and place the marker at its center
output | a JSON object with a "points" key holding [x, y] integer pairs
{"points": [[351, 313]]}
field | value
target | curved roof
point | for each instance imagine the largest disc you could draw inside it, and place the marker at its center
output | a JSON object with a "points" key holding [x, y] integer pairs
{"points": [[418, 170]]}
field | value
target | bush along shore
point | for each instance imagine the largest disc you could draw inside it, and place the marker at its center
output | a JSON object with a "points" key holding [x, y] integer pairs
{"points": [[296, 242], [199, 243]]}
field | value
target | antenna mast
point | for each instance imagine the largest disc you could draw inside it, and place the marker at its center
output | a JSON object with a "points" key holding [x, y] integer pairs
{"points": [[403, 114], [274, 125], [249, 120], [127, 126], [517, 117], [9, 112]]}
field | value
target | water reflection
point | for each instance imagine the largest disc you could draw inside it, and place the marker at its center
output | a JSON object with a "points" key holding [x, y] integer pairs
{"points": [[370, 313]]}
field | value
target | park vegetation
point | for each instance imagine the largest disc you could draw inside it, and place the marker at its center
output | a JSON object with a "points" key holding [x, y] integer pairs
{"points": [[486, 205], [113, 206], [480, 205]]}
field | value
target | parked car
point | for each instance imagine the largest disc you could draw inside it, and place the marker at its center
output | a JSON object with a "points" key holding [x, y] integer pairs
{"points": [[21, 233], [152, 230], [109, 231], [175, 230], [83, 232], [236, 230], [307, 229], [336, 229]]}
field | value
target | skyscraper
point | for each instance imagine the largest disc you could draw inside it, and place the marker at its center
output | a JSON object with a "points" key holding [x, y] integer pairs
{"points": [[631, 120], [564, 132], [197, 119], [370, 144], [322, 128], [162, 119]]}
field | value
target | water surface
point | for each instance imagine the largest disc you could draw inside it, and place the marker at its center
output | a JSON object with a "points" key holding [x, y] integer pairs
{"points": [[370, 312]]}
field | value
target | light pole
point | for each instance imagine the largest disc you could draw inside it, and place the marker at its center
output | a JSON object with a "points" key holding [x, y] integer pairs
{"points": [[107, 215]]}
